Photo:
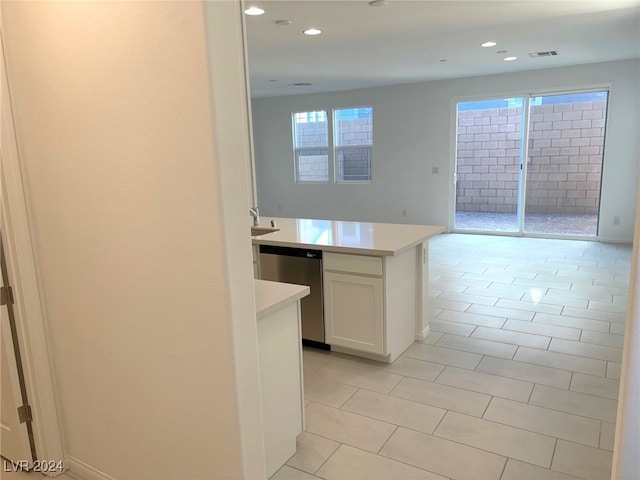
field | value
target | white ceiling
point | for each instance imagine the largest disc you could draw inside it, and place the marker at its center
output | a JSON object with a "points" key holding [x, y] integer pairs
{"points": [[404, 41]]}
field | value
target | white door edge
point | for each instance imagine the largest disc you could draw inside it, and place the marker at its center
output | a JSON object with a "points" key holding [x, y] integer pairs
{"points": [[21, 266]]}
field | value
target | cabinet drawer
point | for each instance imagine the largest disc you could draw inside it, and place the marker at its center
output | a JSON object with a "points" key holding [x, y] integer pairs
{"points": [[353, 263]]}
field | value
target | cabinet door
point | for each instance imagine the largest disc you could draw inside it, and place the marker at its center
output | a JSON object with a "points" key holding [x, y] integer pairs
{"points": [[354, 312]]}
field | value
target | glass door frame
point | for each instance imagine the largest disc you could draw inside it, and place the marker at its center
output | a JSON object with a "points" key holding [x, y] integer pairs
{"points": [[524, 155]]}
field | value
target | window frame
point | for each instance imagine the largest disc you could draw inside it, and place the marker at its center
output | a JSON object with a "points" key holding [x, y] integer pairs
{"points": [[297, 150], [337, 148], [332, 149]]}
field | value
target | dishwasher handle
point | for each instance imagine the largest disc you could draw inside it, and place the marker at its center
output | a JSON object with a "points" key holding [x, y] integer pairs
{"points": [[291, 252]]}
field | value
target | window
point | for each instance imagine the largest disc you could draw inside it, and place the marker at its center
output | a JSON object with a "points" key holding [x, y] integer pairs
{"points": [[344, 156], [311, 146], [353, 141]]}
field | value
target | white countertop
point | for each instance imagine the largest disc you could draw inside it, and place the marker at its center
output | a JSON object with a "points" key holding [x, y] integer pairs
{"points": [[273, 296], [364, 238]]}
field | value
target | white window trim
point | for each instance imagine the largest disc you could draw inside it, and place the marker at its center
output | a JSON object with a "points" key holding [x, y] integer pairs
{"points": [[331, 148]]}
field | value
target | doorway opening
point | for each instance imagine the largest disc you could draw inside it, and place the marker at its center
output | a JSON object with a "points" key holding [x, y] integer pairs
{"points": [[530, 165]]}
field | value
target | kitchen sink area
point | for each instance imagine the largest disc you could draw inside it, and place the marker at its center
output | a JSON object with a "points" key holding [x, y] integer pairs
{"points": [[256, 231]]}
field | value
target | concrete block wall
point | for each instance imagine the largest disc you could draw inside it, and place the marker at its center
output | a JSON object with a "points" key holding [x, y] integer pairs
{"points": [[352, 164], [313, 164], [564, 167], [566, 142], [488, 160]]}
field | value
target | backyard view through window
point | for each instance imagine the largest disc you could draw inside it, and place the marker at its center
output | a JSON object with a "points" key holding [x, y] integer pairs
{"points": [[557, 190], [341, 151], [311, 145], [353, 141]]}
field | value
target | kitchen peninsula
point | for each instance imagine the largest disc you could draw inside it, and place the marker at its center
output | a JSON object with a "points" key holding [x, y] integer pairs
{"points": [[374, 280]]}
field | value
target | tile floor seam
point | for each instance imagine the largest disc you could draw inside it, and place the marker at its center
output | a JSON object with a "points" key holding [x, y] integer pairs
{"points": [[390, 394], [408, 464], [555, 445], [472, 338], [570, 413], [435, 380], [550, 409], [581, 393], [357, 387], [355, 414], [579, 445], [388, 458], [396, 424], [487, 406], [298, 469], [531, 393], [332, 454], [482, 449], [504, 468], [352, 395], [585, 356], [571, 380], [600, 434], [387, 440], [514, 426]]}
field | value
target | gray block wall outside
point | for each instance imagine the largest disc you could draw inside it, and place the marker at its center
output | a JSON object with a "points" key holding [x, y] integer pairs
{"points": [[353, 158], [564, 166]]}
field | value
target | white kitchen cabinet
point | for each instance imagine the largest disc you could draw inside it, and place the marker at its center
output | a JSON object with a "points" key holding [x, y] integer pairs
{"points": [[354, 311], [281, 375], [371, 303], [380, 318]]}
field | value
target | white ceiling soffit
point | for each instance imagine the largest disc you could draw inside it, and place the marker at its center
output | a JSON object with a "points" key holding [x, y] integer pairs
{"points": [[405, 41]]}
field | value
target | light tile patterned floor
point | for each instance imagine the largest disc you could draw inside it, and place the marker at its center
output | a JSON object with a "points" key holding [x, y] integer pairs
{"points": [[518, 379]]}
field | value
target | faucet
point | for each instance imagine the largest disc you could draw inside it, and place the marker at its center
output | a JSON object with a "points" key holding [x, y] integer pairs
{"points": [[255, 214]]}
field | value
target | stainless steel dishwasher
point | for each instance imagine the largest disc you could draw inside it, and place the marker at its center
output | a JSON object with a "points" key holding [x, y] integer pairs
{"points": [[302, 267]]}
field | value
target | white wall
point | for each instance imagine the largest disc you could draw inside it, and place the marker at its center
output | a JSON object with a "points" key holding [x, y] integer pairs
{"points": [[135, 192], [626, 462], [413, 133]]}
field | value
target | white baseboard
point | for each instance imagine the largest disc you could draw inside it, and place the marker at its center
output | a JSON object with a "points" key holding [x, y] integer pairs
{"points": [[81, 471], [358, 353], [420, 336]]}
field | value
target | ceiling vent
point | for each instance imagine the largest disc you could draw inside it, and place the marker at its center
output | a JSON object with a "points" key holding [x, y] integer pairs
{"points": [[550, 53]]}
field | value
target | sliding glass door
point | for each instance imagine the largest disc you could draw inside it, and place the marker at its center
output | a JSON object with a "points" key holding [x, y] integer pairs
{"points": [[557, 190], [489, 164], [564, 163]]}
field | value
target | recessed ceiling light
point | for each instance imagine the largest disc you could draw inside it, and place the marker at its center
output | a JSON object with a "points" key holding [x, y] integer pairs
{"points": [[283, 22], [488, 44], [510, 59], [254, 11], [378, 3], [312, 31]]}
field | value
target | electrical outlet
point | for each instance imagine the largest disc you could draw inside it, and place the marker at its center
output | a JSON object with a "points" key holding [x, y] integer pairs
{"points": [[616, 220]]}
